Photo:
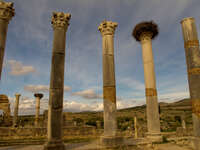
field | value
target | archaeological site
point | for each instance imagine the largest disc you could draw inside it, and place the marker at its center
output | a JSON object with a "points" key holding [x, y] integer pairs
{"points": [[152, 125]]}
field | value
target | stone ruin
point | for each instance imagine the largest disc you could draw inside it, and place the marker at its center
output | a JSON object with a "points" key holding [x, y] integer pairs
{"points": [[143, 32], [5, 106]]}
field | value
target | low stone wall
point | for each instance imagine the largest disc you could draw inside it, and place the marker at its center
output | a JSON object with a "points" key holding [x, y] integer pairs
{"points": [[184, 132], [27, 132]]}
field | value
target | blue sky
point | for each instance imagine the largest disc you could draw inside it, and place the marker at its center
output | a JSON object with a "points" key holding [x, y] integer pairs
{"points": [[27, 60]]}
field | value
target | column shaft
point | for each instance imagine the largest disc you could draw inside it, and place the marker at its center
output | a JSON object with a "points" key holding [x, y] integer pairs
{"points": [[192, 53], [109, 90], [37, 113], [6, 13], [55, 111], [56, 85], [3, 34], [15, 116], [153, 121]]}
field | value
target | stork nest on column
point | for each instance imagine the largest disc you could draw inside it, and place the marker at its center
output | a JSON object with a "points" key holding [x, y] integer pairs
{"points": [[148, 27]]}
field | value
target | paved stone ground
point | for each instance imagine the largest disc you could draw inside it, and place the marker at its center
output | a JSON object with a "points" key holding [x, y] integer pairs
{"points": [[87, 146]]}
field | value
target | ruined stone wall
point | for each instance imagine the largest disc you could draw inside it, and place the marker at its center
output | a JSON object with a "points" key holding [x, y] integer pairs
{"points": [[27, 132]]}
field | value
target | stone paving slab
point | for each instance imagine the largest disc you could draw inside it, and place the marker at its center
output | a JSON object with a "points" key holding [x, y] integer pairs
{"points": [[93, 146]]}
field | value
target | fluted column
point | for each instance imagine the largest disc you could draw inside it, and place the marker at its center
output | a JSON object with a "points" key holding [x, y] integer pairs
{"points": [[60, 23], [15, 115], [192, 53], [6, 13], [38, 96], [144, 33]]}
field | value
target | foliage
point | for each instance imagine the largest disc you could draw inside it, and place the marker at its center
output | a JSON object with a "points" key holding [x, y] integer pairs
{"points": [[78, 120], [93, 121]]}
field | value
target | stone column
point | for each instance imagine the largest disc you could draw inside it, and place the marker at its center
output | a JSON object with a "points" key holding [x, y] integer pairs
{"points": [[6, 14], [144, 33], [135, 126], [60, 23], [107, 29], [192, 53], [38, 96], [15, 115]]}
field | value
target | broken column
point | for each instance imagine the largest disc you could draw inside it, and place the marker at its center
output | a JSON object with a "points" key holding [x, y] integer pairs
{"points": [[60, 23], [192, 52], [6, 13], [183, 124], [38, 96], [144, 33], [107, 29], [15, 116]]}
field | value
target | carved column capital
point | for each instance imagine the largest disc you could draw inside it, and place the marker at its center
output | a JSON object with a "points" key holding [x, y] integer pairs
{"points": [[107, 28], [60, 20], [6, 10]]}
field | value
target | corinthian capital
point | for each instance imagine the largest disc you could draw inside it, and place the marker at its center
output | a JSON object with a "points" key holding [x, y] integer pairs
{"points": [[60, 20], [107, 28], [6, 10]]}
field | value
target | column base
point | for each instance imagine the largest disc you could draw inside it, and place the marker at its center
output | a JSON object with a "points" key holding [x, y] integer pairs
{"points": [[54, 145], [111, 141], [154, 137], [196, 143]]}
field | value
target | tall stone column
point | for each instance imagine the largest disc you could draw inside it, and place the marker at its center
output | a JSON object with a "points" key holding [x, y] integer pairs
{"points": [[144, 33], [15, 116], [38, 96], [192, 53], [6, 13], [107, 29], [60, 23]]}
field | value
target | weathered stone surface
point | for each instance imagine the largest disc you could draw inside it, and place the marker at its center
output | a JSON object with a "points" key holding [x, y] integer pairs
{"points": [[108, 70], [6, 13], [192, 53], [60, 22], [107, 29], [153, 121], [5, 106], [57, 71], [38, 96], [15, 117], [111, 142], [145, 32]]}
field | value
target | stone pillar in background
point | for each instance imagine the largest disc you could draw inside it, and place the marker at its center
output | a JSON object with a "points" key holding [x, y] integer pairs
{"points": [[15, 115], [60, 23], [183, 124], [192, 53], [135, 127], [38, 96], [6, 13], [145, 32], [98, 123], [107, 29]]}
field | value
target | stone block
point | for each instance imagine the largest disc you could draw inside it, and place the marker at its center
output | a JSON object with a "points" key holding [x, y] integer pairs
{"points": [[111, 141]]}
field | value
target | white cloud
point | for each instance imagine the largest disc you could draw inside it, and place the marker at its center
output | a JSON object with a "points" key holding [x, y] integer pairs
{"points": [[133, 84], [17, 68], [87, 94], [173, 96], [42, 88], [27, 104]]}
